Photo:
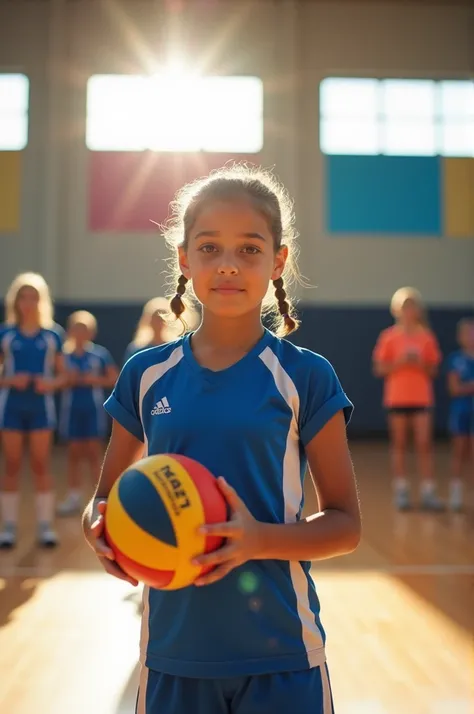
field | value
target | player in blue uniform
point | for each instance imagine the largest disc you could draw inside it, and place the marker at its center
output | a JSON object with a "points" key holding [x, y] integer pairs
{"points": [[154, 327], [30, 351], [83, 421], [460, 369], [254, 408]]}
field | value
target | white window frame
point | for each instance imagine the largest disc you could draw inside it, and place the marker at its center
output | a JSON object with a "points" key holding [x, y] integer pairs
{"points": [[14, 110], [370, 124]]}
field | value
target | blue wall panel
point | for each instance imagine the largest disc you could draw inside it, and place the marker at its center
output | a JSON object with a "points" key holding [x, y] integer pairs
{"points": [[394, 195]]}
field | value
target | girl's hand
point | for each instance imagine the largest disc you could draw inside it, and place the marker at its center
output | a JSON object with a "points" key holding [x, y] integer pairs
{"points": [[18, 381], [44, 385], [91, 380], [243, 536], [96, 540]]}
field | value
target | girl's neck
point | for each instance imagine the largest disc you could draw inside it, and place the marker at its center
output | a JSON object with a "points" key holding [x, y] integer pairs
{"points": [[229, 333], [29, 326], [410, 327], [79, 347]]}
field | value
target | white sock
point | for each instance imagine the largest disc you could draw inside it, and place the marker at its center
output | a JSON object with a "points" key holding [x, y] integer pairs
{"points": [[45, 507], [456, 487], [400, 483], [9, 507], [427, 488]]}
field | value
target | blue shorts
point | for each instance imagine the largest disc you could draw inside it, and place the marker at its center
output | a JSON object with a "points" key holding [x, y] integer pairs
{"points": [[82, 424], [305, 692], [461, 423], [19, 415]]}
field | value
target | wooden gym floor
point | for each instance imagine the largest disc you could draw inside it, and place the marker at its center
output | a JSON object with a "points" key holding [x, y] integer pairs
{"points": [[399, 614]]}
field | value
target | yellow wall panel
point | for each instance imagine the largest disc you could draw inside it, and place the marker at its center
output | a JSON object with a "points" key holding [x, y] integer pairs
{"points": [[459, 198], [10, 191]]}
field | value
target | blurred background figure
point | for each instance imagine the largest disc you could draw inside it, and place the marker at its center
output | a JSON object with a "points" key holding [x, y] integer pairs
{"points": [[90, 370], [33, 369], [158, 325]]}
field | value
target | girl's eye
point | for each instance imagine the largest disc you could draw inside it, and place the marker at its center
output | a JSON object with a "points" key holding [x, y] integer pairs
{"points": [[251, 250], [208, 248]]}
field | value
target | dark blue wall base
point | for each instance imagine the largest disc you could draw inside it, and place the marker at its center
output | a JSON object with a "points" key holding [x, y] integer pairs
{"points": [[344, 335]]}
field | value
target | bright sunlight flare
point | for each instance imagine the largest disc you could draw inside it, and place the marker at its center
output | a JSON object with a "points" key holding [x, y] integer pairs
{"points": [[174, 112]]}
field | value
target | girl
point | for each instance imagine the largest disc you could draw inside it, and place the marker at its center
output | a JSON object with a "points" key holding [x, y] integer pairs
{"points": [[154, 328], [90, 370], [407, 357], [30, 349], [256, 409], [461, 413]]}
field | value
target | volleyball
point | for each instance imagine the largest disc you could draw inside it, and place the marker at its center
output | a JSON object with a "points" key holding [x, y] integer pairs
{"points": [[154, 511]]}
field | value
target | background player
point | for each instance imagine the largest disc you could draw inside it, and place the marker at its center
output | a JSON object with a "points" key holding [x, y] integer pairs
{"points": [[255, 408], [30, 349], [407, 357], [155, 327], [83, 421], [460, 369]]}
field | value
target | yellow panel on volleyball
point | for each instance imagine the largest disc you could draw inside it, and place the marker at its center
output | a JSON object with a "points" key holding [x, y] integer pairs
{"points": [[186, 521]]}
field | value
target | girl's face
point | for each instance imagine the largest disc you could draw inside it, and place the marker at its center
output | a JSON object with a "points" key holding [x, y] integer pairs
{"points": [[27, 303], [81, 333], [231, 258], [156, 321], [410, 312], [466, 336]]}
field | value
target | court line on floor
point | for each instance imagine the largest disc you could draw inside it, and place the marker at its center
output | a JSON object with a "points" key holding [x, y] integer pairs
{"points": [[441, 569]]}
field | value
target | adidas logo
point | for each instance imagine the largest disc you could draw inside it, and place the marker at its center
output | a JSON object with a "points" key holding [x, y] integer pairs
{"points": [[161, 407]]}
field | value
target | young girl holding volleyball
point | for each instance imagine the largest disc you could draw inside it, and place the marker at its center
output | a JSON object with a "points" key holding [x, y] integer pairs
{"points": [[255, 409]]}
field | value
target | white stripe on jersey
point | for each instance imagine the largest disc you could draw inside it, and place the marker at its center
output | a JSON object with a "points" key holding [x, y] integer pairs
{"points": [[149, 377], [152, 375], [292, 495]]}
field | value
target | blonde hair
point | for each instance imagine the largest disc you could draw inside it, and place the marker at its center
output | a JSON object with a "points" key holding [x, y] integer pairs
{"points": [[45, 303], [269, 198], [400, 297], [144, 332], [80, 317]]}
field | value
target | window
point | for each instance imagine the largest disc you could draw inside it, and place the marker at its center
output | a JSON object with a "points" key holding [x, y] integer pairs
{"points": [[174, 113], [404, 117], [14, 95]]}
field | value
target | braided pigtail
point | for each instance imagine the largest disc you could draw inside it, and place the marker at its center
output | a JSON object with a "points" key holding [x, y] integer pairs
{"points": [[177, 305], [289, 323]]}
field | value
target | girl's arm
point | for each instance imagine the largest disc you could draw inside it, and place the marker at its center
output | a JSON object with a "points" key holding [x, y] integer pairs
{"points": [[123, 449], [456, 388], [107, 379], [336, 528], [383, 369], [45, 385]]}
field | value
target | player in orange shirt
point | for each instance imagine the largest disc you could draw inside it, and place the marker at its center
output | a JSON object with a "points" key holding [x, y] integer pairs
{"points": [[407, 356]]}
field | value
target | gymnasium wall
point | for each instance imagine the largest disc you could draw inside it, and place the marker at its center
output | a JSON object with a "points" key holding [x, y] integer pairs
{"points": [[367, 224]]}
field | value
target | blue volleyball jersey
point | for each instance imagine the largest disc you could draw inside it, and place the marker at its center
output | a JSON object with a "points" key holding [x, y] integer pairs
{"points": [[31, 354], [131, 350], [463, 365], [249, 423], [85, 398], [94, 360]]}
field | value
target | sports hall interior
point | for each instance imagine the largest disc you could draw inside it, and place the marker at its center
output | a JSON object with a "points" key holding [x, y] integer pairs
{"points": [[384, 197]]}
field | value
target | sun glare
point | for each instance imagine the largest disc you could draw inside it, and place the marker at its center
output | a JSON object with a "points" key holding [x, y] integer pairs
{"points": [[174, 110]]}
